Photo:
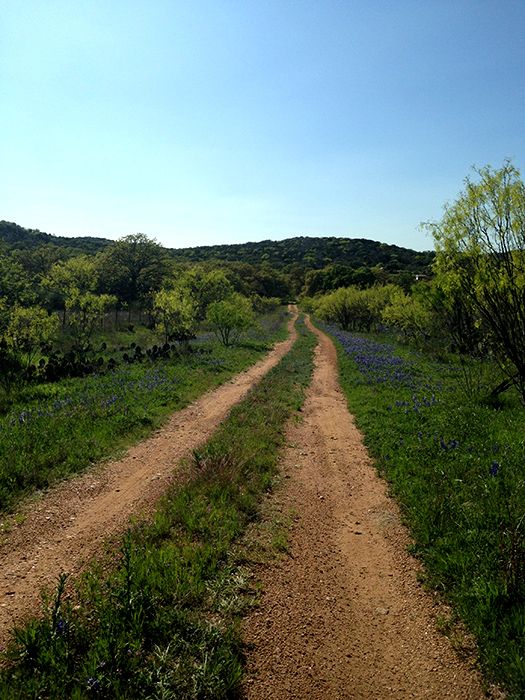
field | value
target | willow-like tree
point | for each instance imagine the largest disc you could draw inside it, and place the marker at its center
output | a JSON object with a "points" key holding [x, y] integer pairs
{"points": [[175, 313], [230, 318], [480, 259]]}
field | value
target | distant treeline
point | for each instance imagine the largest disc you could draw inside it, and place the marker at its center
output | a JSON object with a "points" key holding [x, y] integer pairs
{"points": [[280, 269]]}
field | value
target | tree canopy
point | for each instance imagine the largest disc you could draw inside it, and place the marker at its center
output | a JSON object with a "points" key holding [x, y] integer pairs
{"points": [[480, 260]]}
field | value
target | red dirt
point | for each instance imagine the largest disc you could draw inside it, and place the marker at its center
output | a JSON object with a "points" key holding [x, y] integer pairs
{"points": [[68, 526], [344, 616]]}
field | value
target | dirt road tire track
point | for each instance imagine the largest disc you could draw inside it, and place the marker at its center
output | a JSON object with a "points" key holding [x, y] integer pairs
{"points": [[70, 524], [344, 615]]}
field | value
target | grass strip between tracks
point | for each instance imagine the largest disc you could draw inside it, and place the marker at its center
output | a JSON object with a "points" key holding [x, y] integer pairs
{"points": [[161, 620]]}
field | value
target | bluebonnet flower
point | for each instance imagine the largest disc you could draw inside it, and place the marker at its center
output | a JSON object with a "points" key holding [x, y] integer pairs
{"points": [[61, 626], [92, 683], [494, 468]]}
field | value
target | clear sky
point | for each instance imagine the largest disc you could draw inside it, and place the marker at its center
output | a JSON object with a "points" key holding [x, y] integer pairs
{"points": [[223, 121]]}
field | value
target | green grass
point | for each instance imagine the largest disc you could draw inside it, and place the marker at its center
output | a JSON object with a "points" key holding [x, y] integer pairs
{"points": [[159, 619], [56, 430], [457, 466]]}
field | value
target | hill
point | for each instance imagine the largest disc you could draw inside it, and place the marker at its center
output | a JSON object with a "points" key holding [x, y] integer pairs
{"points": [[313, 253], [275, 268], [17, 237]]}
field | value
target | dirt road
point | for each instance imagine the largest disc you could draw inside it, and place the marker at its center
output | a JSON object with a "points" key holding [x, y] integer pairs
{"points": [[344, 616], [69, 525]]}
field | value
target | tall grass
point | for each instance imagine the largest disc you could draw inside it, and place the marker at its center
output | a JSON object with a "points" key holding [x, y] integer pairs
{"points": [[457, 466], [159, 620], [55, 430]]}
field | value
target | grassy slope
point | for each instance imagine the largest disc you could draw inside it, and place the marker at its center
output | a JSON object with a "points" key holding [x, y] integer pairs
{"points": [[160, 621], [457, 468]]}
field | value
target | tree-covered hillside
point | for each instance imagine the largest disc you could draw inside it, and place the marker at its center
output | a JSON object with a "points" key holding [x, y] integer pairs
{"points": [[310, 253], [313, 253], [282, 269], [20, 238]]}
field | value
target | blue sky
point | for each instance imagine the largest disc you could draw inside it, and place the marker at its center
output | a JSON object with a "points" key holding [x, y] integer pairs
{"points": [[224, 121]]}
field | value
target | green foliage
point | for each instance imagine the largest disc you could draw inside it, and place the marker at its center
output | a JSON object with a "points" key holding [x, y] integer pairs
{"points": [[132, 268], [314, 253], [27, 240], [53, 430], [335, 276], [15, 284], [28, 330], [408, 315], [25, 332], [175, 312], [204, 287], [161, 620], [135, 267], [85, 312], [264, 305], [354, 308], [230, 318], [73, 276], [480, 260]]}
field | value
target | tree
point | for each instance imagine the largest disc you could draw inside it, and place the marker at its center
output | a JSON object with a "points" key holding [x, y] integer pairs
{"points": [[204, 287], [175, 313], [15, 284], [230, 317], [28, 329], [24, 334], [409, 315], [132, 268], [68, 279], [480, 258], [349, 307], [86, 309]]}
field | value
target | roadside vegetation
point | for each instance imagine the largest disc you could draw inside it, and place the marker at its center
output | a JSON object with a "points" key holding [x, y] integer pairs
{"points": [[158, 618], [435, 377], [51, 430]]}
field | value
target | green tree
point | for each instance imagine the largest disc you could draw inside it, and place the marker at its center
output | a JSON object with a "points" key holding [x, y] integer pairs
{"points": [[480, 258], [347, 307], [28, 329], [230, 317], [336, 307], [132, 268], [67, 279], [85, 311], [409, 315], [15, 283], [175, 313], [24, 331], [204, 287]]}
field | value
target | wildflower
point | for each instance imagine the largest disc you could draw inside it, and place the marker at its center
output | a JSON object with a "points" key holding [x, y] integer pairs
{"points": [[61, 626], [494, 468], [92, 683]]}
